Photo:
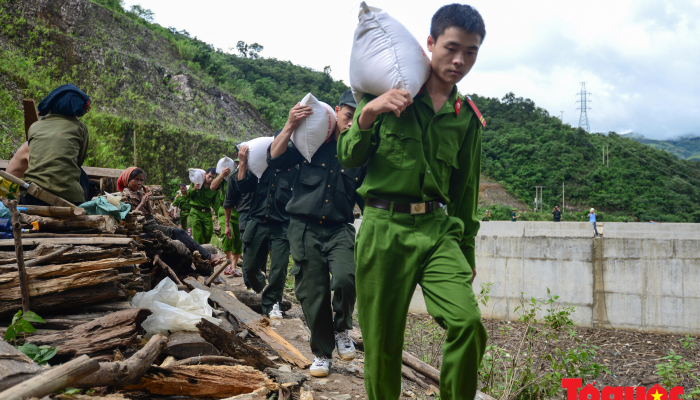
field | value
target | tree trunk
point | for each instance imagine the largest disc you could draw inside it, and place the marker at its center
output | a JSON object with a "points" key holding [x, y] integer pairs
{"points": [[101, 223], [95, 241], [54, 379], [15, 367], [50, 271], [234, 346], [252, 299], [80, 253], [112, 330], [52, 211], [8, 291], [124, 373], [218, 360], [185, 344], [217, 381], [70, 299]]}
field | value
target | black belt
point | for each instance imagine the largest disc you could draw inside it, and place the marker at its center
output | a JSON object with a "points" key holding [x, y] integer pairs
{"points": [[202, 209], [406, 208]]}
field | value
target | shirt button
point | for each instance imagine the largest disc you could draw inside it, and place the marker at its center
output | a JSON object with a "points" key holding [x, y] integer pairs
{"points": [[356, 178], [304, 162], [326, 201], [320, 222], [342, 170], [423, 195], [270, 195], [428, 172], [329, 186], [323, 165], [324, 217], [336, 156], [268, 205], [266, 217], [402, 135], [274, 185], [331, 171]]}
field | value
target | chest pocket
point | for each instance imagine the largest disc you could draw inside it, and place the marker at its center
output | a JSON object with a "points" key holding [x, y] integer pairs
{"points": [[351, 181], [447, 153], [311, 174], [400, 142], [284, 189]]}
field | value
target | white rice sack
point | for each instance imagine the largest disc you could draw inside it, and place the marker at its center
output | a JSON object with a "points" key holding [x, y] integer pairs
{"points": [[385, 56], [257, 154], [314, 130], [225, 162], [197, 176]]}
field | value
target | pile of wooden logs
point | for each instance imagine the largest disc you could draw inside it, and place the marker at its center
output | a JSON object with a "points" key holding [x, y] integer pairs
{"points": [[132, 225]]}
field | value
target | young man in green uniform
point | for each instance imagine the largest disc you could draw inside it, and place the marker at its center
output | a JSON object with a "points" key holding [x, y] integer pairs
{"points": [[182, 202], [230, 245], [201, 203], [266, 232], [321, 234], [422, 153]]}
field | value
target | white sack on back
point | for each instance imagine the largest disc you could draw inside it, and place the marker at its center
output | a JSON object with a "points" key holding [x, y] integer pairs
{"points": [[257, 154], [225, 162], [197, 176], [314, 130], [385, 56]]}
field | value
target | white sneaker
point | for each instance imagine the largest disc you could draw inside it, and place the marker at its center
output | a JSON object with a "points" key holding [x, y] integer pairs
{"points": [[346, 346], [320, 367], [276, 313]]}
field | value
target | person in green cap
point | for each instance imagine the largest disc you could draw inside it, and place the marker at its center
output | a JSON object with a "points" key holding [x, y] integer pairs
{"points": [[266, 232], [321, 234], [182, 203], [230, 245], [201, 202], [422, 154]]}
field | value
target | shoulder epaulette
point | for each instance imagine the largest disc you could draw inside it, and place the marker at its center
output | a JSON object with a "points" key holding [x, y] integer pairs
{"points": [[476, 110]]}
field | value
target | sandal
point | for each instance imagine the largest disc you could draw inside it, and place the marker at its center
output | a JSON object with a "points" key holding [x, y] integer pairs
{"points": [[228, 271], [237, 273]]}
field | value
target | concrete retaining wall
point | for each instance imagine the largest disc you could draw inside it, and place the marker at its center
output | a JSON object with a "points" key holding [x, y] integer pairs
{"points": [[638, 276]]}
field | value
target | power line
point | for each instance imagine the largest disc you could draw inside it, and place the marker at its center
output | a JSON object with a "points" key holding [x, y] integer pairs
{"points": [[583, 118], [665, 166], [665, 172], [667, 157]]}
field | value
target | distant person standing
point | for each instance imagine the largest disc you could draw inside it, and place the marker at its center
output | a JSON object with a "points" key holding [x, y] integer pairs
{"points": [[182, 206], [592, 218], [557, 214], [487, 216], [513, 216]]}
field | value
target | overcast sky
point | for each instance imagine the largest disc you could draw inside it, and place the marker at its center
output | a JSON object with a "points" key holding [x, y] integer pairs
{"points": [[640, 59]]}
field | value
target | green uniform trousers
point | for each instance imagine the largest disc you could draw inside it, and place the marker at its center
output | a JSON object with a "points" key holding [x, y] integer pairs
{"points": [[320, 251], [394, 252], [234, 244], [258, 240], [201, 224], [183, 219]]}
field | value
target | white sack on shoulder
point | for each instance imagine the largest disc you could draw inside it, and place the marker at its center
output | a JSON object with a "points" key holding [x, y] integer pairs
{"points": [[225, 162], [315, 129], [197, 176], [173, 310], [257, 154], [385, 56]]}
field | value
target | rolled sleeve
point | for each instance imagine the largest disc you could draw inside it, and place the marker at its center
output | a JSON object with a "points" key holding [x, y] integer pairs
{"points": [[355, 145]]}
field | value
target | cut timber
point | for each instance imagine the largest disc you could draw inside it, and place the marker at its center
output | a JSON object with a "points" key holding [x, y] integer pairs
{"points": [[68, 300], [423, 368], [217, 271], [217, 381], [80, 253], [234, 346], [9, 291], [185, 344], [51, 380], [260, 394], [219, 360], [49, 211], [422, 381], [167, 269], [50, 271], [22, 279], [100, 223], [252, 299], [255, 323], [94, 241], [15, 367], [112, 330], [34, 190], [109, 307], [126, 372]]}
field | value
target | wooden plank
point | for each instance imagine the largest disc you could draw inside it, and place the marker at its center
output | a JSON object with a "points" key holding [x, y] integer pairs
{"points": [[213, 381], [54, 379], [67, 300], [100, 223], [15, 367], [185, 344], [95, 241], [21, 275], [53, 270], [61, 283], [48, 211], [234, 346], [105, 333], [255, 322], [252, 299]]}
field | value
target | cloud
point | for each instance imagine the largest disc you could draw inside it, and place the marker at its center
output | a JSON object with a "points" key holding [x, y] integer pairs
{"points": [[640, 59]]}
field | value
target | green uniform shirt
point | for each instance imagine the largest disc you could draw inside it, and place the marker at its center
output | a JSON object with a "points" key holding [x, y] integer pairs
{"points": [[202, 199], [421, 156], [183, 203], [324, 191], [236, 199], [220, 195], [271, 193], [57, 149]]}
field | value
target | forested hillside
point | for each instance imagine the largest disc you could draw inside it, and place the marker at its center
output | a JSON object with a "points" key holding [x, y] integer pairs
{"points": [[524, 146], [687, 148], [188, 103]]}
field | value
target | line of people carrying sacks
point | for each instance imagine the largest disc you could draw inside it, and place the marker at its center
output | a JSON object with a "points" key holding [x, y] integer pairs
{"points": [[402, 144]]}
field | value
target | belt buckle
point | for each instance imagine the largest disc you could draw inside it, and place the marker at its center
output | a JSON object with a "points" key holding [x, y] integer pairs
{"points": [[417, 208]]}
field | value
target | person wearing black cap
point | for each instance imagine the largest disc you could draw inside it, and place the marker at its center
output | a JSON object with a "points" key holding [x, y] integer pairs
{"points": [[321, 234], [58, 146]]}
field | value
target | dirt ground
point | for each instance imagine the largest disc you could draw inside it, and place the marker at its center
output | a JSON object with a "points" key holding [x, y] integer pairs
{"points": [[491, 192]]}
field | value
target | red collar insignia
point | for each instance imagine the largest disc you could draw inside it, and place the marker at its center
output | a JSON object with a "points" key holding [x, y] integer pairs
{"points": [[476, 110], [458, 105]]}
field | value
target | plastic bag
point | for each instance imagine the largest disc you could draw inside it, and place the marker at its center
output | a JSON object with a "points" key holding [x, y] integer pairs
{"points": [[197, 176], [257, 154], [225, 162], [173, 310], [314, 130], [385, 56]]}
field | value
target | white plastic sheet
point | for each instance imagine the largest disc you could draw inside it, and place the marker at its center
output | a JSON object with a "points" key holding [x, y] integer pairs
{"points": [[173, 310]]}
